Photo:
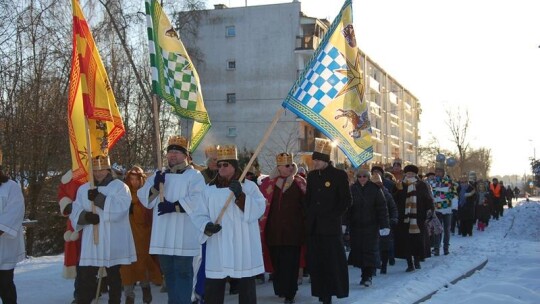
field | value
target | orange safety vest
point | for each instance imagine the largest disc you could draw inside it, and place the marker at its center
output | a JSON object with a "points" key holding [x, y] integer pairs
{"points": [[496, 190]]}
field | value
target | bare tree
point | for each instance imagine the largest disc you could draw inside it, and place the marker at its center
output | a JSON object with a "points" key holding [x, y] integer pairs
{"points": [[33, 89], [458, 125], [479, 160]]}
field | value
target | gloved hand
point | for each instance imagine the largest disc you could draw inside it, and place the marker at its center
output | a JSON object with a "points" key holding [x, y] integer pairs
{"points": [[384, 231], [92, 193], [236, 188], [68, 209], [91, 218], [166, 207], [211, 228], [159, 178]]}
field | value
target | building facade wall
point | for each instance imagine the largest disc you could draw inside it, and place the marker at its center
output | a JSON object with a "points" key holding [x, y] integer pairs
{"points": [[270, 46]]}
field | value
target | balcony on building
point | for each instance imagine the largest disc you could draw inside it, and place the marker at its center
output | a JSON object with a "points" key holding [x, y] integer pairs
{"points": [[312, 31]]}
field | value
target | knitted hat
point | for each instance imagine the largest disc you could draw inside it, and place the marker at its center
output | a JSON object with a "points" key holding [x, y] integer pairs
{"points": [[377, 168], [410, 168]]}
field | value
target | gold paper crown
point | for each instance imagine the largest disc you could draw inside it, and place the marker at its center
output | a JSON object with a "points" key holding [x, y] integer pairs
{"points": [[284, 159], [365, 166], [101, 162], [211, 151], [226, 152], [323, 146], [177, 140]]}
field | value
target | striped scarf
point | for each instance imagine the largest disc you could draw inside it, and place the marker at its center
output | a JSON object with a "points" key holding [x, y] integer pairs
{"points": [[410, 206]]}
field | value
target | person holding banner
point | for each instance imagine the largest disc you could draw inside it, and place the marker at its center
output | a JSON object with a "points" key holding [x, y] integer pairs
{"points": [[234, 252], [327, 199], [172, 194], [115, 244], [11, 235]]}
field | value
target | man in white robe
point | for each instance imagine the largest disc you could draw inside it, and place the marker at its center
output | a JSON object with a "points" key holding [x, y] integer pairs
{"points": [[234, 251], [174, 236], [115, 246], [11, 235]]}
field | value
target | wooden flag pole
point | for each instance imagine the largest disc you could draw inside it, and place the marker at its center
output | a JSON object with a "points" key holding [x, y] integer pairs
{"points": [[252, 159], [91, 176], [158, 143], [101, 269]]}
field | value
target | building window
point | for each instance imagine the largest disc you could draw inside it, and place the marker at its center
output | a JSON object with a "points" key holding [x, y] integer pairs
{"points": [[230, 31], [231, 97], [231, 132], [231, 64]]}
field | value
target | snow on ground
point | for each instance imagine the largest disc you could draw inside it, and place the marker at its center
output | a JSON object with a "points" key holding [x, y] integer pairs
{"points": [[510, 245]]}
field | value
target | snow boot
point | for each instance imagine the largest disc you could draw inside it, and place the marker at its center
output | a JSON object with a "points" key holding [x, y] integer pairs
{"points": [[147, 295], [417, 263], [410, 266]]}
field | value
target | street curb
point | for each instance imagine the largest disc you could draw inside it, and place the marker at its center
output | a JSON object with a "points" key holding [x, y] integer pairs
{"points": [[454, 281]]}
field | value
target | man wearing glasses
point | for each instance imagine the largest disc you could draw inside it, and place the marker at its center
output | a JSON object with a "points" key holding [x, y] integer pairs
{"points": [[174, 236], [327, 198], [234, 251], [282, 226]]}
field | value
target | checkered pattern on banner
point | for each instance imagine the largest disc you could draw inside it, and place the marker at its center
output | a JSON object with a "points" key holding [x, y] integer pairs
{"points": [[179, 79], [321, 83]]}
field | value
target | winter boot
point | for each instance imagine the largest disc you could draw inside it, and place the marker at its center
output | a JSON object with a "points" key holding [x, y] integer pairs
{"points": [[146, 295], [410, 266], [417, 263], [383, 268]]}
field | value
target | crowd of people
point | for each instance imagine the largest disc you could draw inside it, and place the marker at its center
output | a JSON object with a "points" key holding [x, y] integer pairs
{"points": [[194, 230]]}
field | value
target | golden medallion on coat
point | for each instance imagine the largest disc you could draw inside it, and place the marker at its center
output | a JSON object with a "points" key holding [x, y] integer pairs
{"points": [[327, 184]]}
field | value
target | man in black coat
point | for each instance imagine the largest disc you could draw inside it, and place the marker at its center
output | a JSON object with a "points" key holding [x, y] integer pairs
{"points": [[327, 199]]}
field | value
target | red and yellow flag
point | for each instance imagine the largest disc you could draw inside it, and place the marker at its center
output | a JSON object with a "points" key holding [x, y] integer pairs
{"points": [[90, 97]]}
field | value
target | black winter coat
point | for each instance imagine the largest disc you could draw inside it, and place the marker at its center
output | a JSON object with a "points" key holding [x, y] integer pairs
{"points": [[327, 199], [366, 216], [466, 210]]}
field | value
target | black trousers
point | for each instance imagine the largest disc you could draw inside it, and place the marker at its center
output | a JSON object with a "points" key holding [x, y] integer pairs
{"points": [[285, 261], [88, 284], [8, 292], [214, 292]]}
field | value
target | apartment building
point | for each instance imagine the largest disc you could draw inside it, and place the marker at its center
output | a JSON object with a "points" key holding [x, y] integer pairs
{"points": [[251, 58]]}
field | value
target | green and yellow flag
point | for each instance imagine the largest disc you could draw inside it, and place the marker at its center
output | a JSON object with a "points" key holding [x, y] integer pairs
{"points": [[174, 77], [90, 97]]}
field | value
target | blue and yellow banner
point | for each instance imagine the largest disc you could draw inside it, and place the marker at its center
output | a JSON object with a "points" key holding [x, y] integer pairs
{"points": [[329, 94]]}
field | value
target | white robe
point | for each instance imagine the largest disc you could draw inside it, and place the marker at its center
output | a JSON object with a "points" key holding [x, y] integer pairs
{"points": [[116, 245], [11, 217], [236, 250], [174, 233]]}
